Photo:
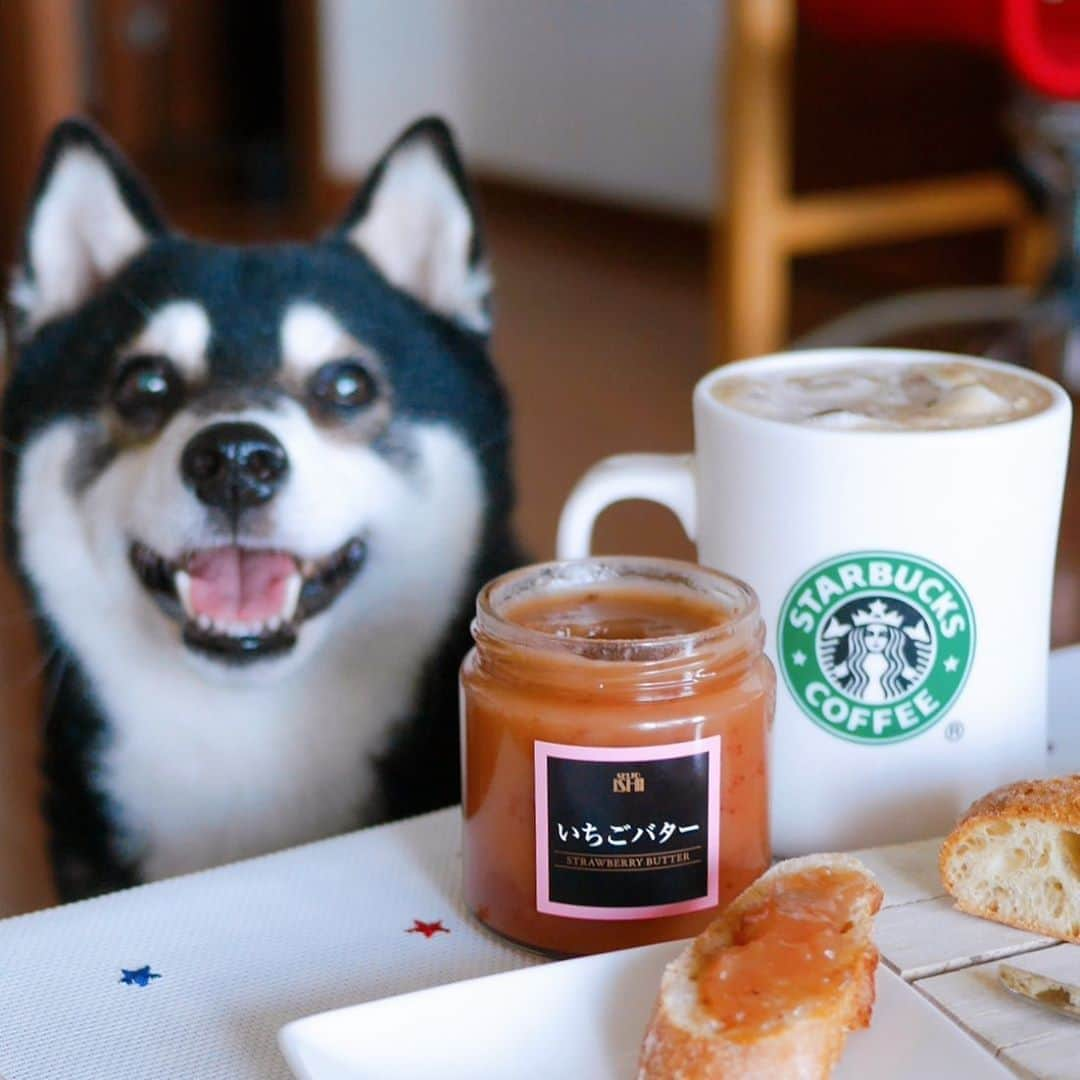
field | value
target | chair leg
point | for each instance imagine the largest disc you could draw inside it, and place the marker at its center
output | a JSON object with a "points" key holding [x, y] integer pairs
{"points": [[752, 287], [1029, 247], [756, 294]]}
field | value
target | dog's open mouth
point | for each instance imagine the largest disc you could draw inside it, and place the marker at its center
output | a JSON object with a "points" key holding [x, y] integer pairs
{"points": [[241, 604]]}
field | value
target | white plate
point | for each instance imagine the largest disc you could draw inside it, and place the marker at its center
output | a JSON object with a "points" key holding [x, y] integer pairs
{"points": [[584, 1020]]}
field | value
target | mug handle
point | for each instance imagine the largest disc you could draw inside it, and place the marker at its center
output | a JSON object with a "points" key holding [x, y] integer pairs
{"points": [[667, 479]]}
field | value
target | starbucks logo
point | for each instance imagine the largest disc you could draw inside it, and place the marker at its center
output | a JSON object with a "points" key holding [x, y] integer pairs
{"points": [[875, 649], [876, 646]]}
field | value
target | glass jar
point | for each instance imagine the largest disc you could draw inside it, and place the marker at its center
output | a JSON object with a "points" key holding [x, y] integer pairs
{"points": [[615, 724]]}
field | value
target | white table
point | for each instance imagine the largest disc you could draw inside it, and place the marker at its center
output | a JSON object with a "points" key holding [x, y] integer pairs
{"points": [[234, 953]]}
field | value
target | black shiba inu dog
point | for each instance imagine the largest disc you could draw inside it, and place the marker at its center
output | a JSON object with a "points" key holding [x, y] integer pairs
{"points": [[251, 493]]}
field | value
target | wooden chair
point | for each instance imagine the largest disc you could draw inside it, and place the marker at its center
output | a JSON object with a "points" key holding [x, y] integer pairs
{"points": [[764, 225]]}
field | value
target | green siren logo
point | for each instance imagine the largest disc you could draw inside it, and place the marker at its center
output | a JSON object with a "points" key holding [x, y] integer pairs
{"points": [[875, 646]]}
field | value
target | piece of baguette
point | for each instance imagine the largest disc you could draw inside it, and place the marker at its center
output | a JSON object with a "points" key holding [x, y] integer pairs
{"points": [[684, 1042], [1014, 857]]}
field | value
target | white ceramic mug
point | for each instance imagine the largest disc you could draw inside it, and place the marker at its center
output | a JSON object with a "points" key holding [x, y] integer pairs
{"points": [[935, 549]]}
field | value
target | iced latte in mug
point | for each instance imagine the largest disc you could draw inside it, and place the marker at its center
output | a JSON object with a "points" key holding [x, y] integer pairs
{"points": [[896, 512], [892, 397]]}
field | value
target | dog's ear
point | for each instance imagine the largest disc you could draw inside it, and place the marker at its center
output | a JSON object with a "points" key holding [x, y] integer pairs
{"points": [[88, 216], [415, 220]]}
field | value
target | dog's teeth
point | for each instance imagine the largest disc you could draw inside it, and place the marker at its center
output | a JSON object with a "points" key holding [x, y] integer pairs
{"points": [[182, 582], [292, 597], [273, 624], [204, 622]]}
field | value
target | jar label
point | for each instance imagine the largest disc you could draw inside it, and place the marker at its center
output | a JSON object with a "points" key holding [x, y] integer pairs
{"points": [[627, 832]]}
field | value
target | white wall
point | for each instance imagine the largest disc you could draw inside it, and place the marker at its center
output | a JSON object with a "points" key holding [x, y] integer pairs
{"points": [[609, 97]]}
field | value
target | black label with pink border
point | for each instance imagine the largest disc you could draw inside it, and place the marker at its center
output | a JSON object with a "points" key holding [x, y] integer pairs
{"points": [[627, 832]]}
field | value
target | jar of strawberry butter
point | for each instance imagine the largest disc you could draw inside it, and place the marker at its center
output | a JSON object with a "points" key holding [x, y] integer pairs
{"points": [[615, 726]]}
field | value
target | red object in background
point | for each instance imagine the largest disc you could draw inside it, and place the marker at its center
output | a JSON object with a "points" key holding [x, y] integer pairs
{"points": [[1039, 39], [1042, 42], [969, 22]]}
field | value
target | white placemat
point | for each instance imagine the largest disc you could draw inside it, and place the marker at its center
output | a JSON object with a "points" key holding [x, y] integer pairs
{"points": [[233, 954], [191, 978]]}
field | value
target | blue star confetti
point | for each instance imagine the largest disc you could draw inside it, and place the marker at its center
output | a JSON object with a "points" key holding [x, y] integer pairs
{"points": [[138, 977]]}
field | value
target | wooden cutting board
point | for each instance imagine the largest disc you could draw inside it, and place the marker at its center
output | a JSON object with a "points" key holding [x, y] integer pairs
{"points": [[953, 958]]}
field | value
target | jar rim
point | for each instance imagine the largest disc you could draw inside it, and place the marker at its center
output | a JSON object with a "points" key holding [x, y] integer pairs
{"points": [[733, 596]]}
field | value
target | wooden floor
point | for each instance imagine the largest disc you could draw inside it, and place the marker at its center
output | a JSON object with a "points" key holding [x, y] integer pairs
{"points": [[602, 330]]}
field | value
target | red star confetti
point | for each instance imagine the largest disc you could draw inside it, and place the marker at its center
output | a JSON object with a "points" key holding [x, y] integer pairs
{"points": [[428, 929]]}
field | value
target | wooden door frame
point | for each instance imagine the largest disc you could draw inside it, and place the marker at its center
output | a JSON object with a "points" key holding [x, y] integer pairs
{"points": [[43, 80], [319, 196]]}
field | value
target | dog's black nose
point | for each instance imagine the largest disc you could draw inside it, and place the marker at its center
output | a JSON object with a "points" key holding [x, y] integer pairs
{"points": [[234, 465]]}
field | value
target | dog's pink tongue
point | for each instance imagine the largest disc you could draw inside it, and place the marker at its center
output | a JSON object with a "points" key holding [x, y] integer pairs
{"points": [[233, 584]]}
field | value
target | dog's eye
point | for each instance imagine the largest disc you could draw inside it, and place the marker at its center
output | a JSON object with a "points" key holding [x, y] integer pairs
{"points": [[146, 390], [343, 386]]}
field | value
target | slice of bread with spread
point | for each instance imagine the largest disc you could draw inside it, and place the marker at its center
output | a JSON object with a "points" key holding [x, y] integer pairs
{"points": [[1015, 857], [773, 986]]}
